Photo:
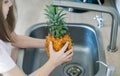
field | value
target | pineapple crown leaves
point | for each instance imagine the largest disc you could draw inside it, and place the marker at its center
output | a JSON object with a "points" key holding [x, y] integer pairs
{"points": [[56, 21]]}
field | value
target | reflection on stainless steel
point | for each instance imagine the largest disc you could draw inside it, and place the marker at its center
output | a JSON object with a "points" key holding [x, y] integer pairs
{"points": [[87, 46], [110, 68]]}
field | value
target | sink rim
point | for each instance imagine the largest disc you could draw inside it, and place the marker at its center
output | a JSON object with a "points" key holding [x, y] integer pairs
{"points": [[101, 51]]}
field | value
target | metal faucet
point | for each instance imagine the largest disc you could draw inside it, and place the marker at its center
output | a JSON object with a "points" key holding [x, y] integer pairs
{"points": [[99, 20], [110, 69], [93, 7], [99, 17]]}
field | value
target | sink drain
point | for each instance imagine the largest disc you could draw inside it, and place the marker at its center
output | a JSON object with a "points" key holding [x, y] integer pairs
{"points": [[73, 70]]}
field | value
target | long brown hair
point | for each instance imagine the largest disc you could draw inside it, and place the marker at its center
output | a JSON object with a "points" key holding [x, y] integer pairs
{"points": [[6, 25]]}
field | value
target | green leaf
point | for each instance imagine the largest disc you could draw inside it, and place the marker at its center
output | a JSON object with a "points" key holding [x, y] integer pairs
{"points": [[59, 12], [56, 21]]}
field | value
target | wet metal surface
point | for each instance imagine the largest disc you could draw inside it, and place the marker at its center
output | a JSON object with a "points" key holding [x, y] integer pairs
{"points": [[87, 46]]}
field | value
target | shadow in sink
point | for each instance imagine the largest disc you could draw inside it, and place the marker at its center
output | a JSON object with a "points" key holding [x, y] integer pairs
{"points": [[87, 46]]}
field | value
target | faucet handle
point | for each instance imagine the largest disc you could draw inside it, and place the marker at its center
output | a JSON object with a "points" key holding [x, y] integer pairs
{"points": [[110, 70], [99, 20]]}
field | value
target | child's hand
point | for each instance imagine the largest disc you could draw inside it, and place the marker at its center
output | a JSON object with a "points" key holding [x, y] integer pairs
{"points": [[60, 57]]}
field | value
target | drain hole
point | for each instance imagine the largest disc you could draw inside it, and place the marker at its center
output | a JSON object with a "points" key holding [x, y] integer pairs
{"points": [[73, 70]]}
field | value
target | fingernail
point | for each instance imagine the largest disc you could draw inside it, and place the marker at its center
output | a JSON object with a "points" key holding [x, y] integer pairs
{"points": [[67, 42], [50, 42]]}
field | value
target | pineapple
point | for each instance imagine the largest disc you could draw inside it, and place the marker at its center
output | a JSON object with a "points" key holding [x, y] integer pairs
{"points": [[57, 29]]}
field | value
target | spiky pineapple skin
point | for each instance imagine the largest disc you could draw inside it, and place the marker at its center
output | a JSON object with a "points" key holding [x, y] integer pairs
{"points": [[57, 29], [58, 43]]}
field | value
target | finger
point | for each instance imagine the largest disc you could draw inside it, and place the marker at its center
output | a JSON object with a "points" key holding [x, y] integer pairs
{"points": [[50, 46], [70, 55], [69, 59], [64, 47], [69, 52]]}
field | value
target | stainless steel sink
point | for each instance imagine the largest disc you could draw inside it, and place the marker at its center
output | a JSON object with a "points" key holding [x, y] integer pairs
{"points": [[87, 46]]}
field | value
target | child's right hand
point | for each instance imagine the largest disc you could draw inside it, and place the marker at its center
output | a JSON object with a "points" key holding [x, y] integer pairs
{"points": [[57, 58]]}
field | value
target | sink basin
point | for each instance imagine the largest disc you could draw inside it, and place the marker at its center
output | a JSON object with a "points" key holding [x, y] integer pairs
{"points": [[87, 46]]}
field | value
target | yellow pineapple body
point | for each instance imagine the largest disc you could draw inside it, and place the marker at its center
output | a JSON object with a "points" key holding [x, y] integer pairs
{"points": [[58, 43]]}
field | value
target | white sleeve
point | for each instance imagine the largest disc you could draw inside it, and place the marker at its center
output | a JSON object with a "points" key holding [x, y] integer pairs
{"points": [[6, 62]]}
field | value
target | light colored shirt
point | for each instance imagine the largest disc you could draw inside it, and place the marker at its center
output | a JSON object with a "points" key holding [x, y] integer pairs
{"points": [[6, 62]]}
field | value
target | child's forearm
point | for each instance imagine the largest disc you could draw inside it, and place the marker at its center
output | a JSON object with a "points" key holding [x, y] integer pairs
{"points": [[28, 42]]}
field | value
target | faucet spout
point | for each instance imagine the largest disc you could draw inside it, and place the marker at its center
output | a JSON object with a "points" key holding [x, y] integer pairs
{"points": [[93, 7], [110, 68]]}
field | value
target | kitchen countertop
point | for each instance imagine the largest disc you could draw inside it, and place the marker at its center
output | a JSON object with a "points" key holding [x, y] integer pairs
{"points": [[31, 12]]}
